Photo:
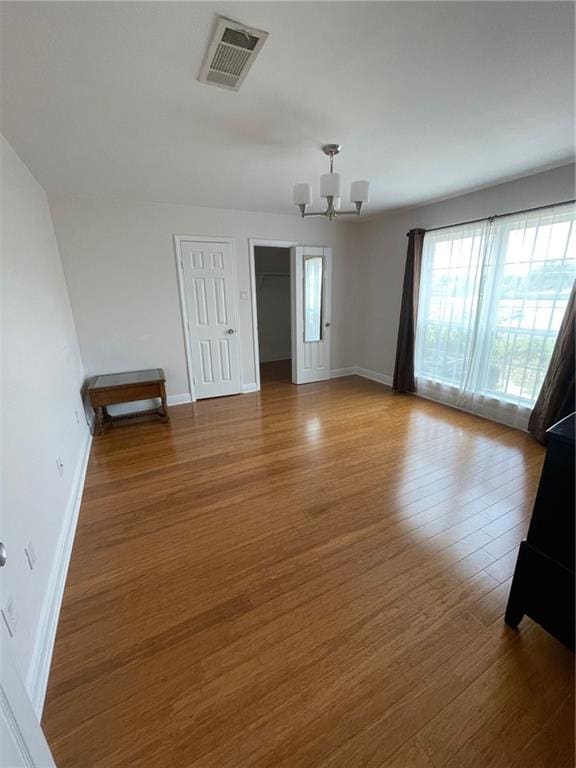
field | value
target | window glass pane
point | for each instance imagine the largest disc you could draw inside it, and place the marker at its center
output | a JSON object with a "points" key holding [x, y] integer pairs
{"points": [[537, 269], [313, 275], [450, 271]]}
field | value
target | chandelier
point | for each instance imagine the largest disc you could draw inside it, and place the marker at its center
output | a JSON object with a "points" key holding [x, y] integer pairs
{"points": [[331, 191]]}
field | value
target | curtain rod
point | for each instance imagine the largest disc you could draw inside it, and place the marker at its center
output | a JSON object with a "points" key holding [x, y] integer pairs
{"points": [[498, 216]]}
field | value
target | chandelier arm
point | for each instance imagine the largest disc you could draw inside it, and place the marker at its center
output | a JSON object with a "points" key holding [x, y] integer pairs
{"points": [[348, 213], [329, 212]]}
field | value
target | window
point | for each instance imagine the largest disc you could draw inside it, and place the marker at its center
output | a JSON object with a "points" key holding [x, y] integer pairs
{"points": [[492, 297]]}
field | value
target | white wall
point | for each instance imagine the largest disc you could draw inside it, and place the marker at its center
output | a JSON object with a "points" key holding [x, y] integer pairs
{"points": [[120, 267], [378, 247], [41, 376], [273, 300]]}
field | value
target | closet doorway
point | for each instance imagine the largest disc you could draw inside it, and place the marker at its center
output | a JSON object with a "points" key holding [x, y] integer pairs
{"points": [[272, 284]]}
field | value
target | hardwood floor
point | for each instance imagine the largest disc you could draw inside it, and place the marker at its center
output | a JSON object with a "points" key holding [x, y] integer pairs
{"points": [[276, 371], [308, 577]]}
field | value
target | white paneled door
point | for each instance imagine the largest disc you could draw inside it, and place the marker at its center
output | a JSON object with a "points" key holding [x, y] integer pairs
{"points": [[311, 313], [209, 284]]}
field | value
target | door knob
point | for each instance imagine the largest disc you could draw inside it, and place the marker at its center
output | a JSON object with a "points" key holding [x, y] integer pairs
{"points": [[230, 330], [3, 556], [327, 325]]}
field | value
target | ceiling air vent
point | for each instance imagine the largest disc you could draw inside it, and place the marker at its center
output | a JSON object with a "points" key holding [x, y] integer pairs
{"points": [[231, 54]]}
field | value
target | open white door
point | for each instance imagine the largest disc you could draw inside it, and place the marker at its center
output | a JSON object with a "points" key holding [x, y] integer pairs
{"points": [[22, 743], [311, 313]]}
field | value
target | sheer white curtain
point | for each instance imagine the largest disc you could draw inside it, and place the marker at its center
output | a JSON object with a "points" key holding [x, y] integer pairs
{"points": [[492, 297]]}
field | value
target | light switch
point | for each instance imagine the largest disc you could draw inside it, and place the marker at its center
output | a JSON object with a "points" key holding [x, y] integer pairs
{"points": [[244, 295]]}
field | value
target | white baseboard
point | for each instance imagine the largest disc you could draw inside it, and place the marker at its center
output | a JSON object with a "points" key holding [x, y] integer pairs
{"points": [[123, 409], [336, 373], [356, 370], [185, 397], [141, 405], [39, 669], [382, 378]]}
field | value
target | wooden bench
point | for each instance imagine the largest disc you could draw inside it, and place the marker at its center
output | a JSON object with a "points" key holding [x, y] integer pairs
{"points": [[117, 388]]}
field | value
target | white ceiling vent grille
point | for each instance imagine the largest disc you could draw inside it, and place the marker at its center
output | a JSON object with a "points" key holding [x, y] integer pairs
{"points": [[231, 54]]}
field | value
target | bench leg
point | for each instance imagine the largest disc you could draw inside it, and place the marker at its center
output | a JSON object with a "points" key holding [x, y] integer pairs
{"points": [[165, 416], [99, 420]]}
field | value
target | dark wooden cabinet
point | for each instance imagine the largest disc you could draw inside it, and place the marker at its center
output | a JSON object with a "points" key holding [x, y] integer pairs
{"points": [[543, 583]]}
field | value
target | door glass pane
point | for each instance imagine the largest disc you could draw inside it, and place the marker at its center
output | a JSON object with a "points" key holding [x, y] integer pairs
{"points": [[313, 267]]}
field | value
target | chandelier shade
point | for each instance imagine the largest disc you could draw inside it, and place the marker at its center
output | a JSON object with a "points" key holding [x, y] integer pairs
{"points": [[330, 185], [303, 194], [360, 191]]}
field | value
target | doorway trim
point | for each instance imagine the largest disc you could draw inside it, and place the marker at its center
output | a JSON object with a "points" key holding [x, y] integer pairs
{"points": [[178, 240], [254, 242]]}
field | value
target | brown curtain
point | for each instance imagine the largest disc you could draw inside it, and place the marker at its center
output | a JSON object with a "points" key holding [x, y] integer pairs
{"points": [[556, 398], [404, 367]]}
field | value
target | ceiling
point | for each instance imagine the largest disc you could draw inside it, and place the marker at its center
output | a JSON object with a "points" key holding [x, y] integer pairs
{"points": [[427, 99]]}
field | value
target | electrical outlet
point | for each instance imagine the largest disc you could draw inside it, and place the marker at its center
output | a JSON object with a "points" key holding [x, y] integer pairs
{"points": [[8, 612], [30, 555], [60, 465], [77, 417]]}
